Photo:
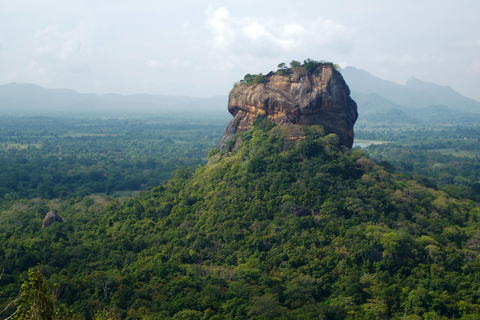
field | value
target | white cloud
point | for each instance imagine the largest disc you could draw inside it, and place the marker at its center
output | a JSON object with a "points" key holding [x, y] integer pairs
{"points": [[221, 26], [263, 37], [329, 35], [294, 30], [154, 64], [255, 31], [52, 56], [56, 45]]}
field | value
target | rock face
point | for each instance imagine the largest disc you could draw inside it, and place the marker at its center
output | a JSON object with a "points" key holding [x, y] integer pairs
{"points": [[320, 97], [50, 218]]}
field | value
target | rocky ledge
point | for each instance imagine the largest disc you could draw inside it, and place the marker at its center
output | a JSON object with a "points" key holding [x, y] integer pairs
{"points": [[294, 97]]}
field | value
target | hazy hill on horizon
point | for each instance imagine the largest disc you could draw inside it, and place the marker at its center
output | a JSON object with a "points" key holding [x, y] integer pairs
{"points": [[26, 97], [415, 101], [378, 101]]}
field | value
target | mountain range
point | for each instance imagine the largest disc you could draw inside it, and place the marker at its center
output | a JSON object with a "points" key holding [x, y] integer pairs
{"points": [[416, 101], [378, 100], [33, 98]]}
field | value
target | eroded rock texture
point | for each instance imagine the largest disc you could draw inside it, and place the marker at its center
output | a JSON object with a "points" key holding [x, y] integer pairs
{"points": [[320, 97]]}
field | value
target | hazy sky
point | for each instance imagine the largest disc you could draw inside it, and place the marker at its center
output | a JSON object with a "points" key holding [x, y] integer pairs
{"points": [[200, 48]]}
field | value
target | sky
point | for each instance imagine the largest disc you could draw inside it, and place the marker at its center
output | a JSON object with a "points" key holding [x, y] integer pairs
{"points": [[200, 48]]}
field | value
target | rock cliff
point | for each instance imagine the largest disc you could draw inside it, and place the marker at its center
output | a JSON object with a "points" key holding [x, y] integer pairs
{"points": [[295, 97]]}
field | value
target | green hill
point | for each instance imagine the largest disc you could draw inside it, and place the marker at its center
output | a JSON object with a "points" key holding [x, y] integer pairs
{"points": [[275, 229]]}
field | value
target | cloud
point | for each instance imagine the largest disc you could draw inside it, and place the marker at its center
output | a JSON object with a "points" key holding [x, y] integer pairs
{"points": [[293, 30], [154, 64], [255, 31], [327, 34], [221, 26], [56, 45], [269, 37], [53, 56]]}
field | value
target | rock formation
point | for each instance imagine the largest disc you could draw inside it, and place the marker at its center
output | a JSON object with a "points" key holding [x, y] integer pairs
{"points": [[295, 97], [50, 218]]}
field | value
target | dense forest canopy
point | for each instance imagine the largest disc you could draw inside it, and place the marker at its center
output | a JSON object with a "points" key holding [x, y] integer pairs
{"points": [[447, 155], [98, 155], [275, 229]]}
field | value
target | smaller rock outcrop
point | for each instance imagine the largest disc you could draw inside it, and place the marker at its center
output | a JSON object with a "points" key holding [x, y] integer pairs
{"points": [[50, 218]]}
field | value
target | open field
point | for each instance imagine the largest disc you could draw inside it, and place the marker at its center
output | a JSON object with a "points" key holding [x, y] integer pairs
{"points": [[6, 146], [77, 135], [458, 153]]}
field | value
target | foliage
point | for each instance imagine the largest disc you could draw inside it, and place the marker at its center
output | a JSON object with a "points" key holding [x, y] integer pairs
{"points": [[441, 156], [309, 65], [36, 302], [295, 64], [224, 241], [251, 79]]}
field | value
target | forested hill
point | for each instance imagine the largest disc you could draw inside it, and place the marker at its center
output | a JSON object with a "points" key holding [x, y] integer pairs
{"points": [[275, 229]]}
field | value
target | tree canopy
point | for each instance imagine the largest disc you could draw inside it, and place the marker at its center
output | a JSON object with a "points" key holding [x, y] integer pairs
{"points": [[275, 228]]}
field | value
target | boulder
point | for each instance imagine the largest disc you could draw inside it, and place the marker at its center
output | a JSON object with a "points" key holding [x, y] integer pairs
{"points": [[50, 218]]}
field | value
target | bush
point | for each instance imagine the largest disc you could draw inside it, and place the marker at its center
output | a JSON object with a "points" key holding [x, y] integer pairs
{"points": [[250, 79], [295, 64]]}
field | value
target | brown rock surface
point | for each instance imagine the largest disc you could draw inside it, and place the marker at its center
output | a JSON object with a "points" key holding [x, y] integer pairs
{"points": [[50, 218], [320, 97]]}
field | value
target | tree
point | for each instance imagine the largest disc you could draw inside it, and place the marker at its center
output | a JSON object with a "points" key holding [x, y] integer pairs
{"points": [[282, 66], [8, 306], [295, 64], [266, 306], [36, 302], [310, 64]]}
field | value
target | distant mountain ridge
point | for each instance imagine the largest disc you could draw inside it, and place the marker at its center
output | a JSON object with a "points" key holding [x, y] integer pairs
{"points": [[417, 99], [33, 98]]}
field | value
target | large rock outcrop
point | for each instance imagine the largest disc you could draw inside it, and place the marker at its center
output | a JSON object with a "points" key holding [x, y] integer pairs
{"points": [[320, 97]]}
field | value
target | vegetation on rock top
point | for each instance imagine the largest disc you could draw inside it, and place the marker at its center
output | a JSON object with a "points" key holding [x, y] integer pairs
{"points": [[308, 65]]}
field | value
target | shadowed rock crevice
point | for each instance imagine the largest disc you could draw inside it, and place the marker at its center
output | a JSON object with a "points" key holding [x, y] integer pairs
{"points": [[320, 97]]}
